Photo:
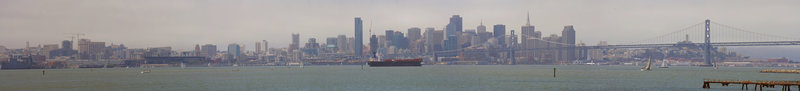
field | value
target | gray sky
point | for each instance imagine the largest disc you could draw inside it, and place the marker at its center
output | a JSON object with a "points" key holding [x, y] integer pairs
{"points": [[184, 23]]}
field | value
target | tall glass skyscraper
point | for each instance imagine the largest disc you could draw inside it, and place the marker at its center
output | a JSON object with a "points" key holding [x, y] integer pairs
{"points": [[358, 36]]}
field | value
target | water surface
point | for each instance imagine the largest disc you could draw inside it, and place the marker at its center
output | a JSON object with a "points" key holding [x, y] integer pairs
{"points": [[350, 78]]}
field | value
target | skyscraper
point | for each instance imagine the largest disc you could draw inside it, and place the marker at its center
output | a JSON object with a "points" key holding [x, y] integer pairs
{"points": [[266, 46], [389, 38], [499, 34], [209, 50], [234, 50], [481, 28], [457, 23], [341, 44], [66, 44], [258, 47], [373, 44], [414, 34], [453, 30], [429, 40], [196, 50], [358, 37], [527, 33], [330, 44], [295, 42], [568, 37]]}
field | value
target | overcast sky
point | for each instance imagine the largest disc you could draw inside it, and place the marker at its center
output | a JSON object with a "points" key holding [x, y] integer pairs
{"points": [[184, 23]]}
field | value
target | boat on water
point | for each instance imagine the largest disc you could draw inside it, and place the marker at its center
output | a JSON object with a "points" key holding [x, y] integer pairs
{"points": [[183, 66], [144, 71], [396, 62], [663, 64], [647, 67], [18, 62]]}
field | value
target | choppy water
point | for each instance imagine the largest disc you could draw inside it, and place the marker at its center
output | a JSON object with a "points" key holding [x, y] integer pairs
{"points": [[349, 78]]}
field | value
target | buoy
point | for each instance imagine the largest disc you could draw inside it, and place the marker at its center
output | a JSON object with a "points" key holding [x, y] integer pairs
{"points": [[554, 72], [42, 72]]}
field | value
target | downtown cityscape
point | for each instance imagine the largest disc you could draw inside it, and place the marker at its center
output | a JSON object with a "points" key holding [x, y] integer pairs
{"points": [[415, 42], [399, 45]]}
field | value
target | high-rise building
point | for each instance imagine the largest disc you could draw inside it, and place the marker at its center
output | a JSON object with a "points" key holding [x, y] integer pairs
{"points": [[66, 50], [197, 51], [527, 34], [83, 48], [568, 37], [414, 36], [66, 44], [453, 30], [389, 38], [481, 28], [234, 50], [438, 39], [209, 50], [312, 47], [358, 37], [312, 43], [457, 23], [258, 47], [342, 44], [400, 41], [429, 40], [295, 42], [373, 45], [330, 44], [499, 34]]}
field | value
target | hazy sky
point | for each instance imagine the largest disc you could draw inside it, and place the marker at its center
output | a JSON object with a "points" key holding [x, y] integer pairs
{"points": [[184, 23]]}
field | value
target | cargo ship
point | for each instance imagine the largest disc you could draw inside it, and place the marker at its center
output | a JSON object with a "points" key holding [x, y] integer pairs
{"points": [[396, 62], [17, 62]]}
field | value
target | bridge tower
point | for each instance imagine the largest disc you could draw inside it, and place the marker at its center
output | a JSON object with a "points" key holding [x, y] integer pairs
{"points": [[707, 43]]}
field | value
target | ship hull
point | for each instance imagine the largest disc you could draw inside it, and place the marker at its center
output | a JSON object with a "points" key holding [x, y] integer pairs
{"points": [[398, 63], [391, 64], [16, 66]]}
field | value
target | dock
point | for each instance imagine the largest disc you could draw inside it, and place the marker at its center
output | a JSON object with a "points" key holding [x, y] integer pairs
{"points": [[757, 84], [797, 71]]}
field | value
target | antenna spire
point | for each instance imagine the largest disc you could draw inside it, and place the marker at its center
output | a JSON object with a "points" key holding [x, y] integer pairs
{"points": [[370, 27], [529, 19]]}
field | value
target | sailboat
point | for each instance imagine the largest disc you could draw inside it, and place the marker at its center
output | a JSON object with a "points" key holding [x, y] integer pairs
{"points": [[183, 66], [647, 67], [663, 64]]}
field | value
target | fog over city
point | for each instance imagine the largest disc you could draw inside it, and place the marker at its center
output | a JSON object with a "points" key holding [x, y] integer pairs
{"points": [[184, 23]]}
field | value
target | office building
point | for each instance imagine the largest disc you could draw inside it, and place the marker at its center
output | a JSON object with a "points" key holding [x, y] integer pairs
{"points": [[358, 45], [500, 34]]}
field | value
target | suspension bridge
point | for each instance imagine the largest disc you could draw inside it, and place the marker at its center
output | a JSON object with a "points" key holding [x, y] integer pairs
{"points": [[712, 34]]}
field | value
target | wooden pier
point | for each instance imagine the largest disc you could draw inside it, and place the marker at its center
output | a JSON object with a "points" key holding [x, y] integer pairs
{"points": [[757, 85], [797, 71]]}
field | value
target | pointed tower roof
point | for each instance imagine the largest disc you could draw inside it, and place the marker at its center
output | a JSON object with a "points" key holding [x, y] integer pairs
{"points": [[529, 19]]}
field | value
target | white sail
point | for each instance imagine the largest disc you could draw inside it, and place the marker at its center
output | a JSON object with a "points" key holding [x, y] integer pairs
{"points": [[183, 66], [663, 64], [647, 67]]}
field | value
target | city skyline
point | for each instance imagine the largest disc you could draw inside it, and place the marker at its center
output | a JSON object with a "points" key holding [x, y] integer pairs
{"points": [[137, 26]]}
